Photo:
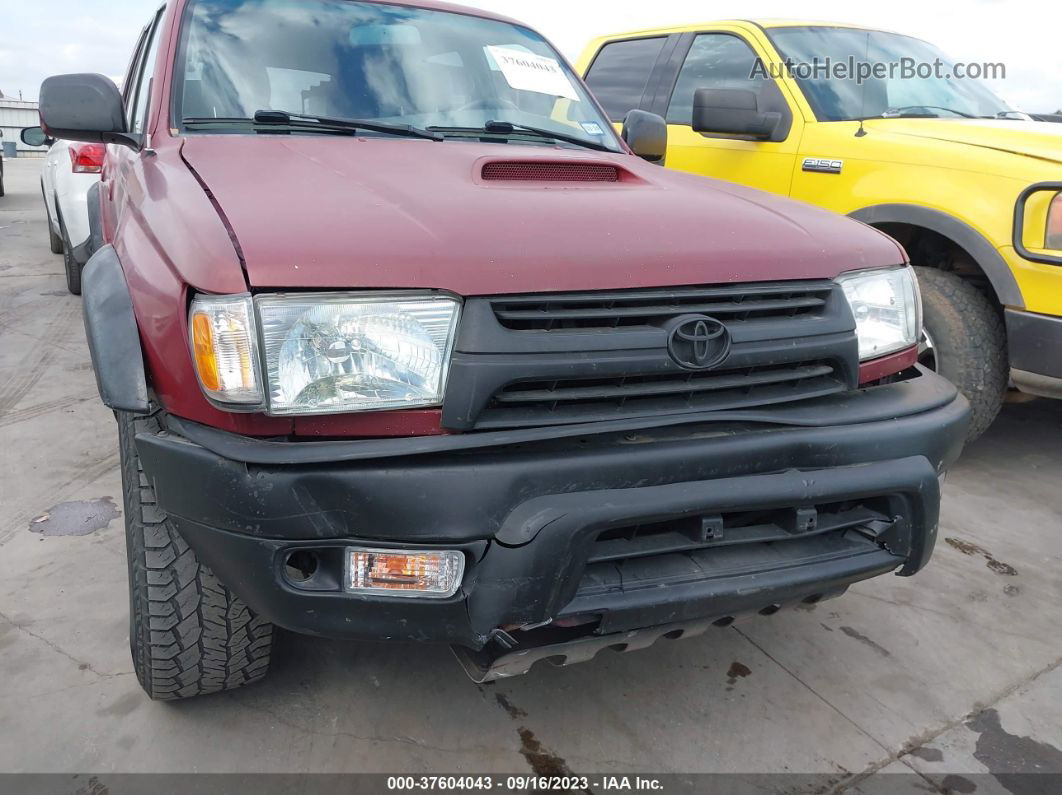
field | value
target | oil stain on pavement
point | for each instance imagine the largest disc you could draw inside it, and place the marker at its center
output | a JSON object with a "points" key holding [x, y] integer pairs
{"points": [[856, 635], [542, 761], [968, 548], [737, 671], [76, 518]]}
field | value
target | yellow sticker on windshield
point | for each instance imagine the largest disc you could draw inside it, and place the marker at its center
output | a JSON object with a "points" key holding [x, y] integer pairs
{"points": [[526, 71]]}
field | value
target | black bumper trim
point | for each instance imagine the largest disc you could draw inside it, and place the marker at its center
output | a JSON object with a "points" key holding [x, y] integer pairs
{"points": [[924, 393], [1035, 343]]}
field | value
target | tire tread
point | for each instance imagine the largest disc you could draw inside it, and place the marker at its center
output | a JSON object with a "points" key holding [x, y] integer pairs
{"points": [[189, 634]]}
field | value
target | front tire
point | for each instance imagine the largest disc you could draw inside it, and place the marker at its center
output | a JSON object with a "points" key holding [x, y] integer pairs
{"points": [[968, 343], [189, 635]]}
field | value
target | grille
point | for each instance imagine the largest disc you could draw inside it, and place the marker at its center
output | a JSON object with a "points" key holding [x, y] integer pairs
{"points": [[871, 517], [585, 400], [654, 307], [550, 172]]}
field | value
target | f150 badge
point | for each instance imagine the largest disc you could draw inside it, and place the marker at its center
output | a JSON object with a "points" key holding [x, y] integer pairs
{"points": [[823, 165]]}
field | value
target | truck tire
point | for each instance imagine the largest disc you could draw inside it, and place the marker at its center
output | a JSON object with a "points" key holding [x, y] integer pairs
{"points": [[189, 635], [70, 265], [55, 243], [967, 343]]}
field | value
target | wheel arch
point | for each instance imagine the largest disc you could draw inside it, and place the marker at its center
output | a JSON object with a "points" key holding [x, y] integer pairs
{"points": [[980, 251], [113, 336]]}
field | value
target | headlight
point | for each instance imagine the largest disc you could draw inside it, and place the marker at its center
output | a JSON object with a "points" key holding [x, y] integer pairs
{"points": [[887, 309], [323, 354], [332, 353]]}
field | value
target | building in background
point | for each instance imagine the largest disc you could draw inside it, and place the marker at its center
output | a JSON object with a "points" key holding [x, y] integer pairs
{"points": [[15, 114]]}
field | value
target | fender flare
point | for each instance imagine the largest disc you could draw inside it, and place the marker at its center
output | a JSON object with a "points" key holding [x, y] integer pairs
{"points": [[112, 333], [95, 221], [973, 242]]}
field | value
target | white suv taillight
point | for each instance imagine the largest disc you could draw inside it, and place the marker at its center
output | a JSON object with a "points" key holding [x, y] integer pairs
{"points": [[87, 158]]}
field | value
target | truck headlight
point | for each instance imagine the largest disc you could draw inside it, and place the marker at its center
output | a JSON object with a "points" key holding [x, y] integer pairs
{"points": [[332, 353], [887, 308]]}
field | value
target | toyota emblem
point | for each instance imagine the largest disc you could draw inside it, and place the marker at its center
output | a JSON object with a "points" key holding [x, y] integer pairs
{"points": [[698, 342]]}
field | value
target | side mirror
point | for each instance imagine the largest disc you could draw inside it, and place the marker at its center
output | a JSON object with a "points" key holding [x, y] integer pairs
{"points": [[85, 107], [732, 111], [35, 136], [646, 134]]}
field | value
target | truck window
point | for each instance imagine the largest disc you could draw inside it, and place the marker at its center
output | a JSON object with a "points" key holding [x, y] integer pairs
{"points": [[620, 73], [716, 60], [843, 100], [145, 71], [395, 64]]}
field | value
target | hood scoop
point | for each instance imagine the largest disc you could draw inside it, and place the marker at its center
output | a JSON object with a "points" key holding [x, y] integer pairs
{"points": [[550, 171]]}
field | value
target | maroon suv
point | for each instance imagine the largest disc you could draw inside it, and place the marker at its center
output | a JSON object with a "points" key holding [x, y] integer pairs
{"points": [[405, 342]]}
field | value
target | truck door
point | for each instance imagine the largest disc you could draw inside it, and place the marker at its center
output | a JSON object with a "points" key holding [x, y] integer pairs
{"points": [[725, 58]]}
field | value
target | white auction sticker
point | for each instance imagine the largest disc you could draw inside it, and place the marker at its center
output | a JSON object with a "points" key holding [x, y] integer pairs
{"points": [[526, 71]]}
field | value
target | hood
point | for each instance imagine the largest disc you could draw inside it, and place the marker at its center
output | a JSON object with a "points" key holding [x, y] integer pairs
{"points": [[1042, 140], [335, 213]]}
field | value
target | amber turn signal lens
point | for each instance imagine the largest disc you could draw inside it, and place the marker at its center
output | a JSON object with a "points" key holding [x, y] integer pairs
{"points": [[206, 362], [434, 574], [224, 347]]}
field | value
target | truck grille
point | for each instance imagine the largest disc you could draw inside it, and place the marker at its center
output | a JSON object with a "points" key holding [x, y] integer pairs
{"points": [[655, 307], [585, 400], [563, 358]]}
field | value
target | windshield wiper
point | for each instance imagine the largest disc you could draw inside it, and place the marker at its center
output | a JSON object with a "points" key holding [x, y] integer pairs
{"points": [[899, 113], [299, 121], [510, 128]]}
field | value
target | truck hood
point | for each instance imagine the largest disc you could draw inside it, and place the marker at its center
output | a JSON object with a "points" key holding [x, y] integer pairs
{"points": [[1038, 139], [341, 212]]}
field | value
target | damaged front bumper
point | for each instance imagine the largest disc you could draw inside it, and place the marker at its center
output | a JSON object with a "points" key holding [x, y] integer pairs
{"points": [[575, 538]]}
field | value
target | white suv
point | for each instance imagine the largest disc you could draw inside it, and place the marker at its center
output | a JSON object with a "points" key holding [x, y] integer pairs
{"points": [[70, 170]]}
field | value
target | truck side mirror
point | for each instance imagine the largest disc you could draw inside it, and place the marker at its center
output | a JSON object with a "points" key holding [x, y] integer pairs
{"points": [[35, 136], [85, 107], [646, 135], [732, 111]]}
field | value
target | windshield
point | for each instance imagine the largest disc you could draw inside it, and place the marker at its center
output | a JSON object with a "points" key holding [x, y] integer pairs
{"points": [[894, 95], [388, 64]]}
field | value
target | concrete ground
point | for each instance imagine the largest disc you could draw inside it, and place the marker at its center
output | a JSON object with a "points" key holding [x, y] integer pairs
{"points": [[942, 677]]}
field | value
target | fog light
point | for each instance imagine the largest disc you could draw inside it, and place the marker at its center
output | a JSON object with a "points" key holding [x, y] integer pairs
{"points": [[434, 574]]}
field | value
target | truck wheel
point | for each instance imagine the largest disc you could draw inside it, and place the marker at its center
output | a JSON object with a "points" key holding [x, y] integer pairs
{"points": [[189, 634], [965, 342], [70, 265], [55, 243]]}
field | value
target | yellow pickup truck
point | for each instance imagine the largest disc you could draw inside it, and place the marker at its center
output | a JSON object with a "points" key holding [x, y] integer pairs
{"points": [[970, 186]]}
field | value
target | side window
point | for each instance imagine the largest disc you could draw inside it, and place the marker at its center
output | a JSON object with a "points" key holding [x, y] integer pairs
{"points": [[716, 60], [620, 73], [145, 70], [128, 85]]}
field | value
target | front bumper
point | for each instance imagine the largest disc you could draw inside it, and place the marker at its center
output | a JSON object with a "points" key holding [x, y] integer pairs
{"points": [[1035, 343], [795, 503]]}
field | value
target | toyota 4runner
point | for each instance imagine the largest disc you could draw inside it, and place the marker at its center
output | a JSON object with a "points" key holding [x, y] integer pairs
{"points": [[405, 342]]}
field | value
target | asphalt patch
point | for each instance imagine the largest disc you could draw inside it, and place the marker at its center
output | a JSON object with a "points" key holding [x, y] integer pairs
{"points": [[79, 518]]}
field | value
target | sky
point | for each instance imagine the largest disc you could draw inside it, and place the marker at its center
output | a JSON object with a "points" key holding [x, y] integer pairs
{"points": [[47, 37]]}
